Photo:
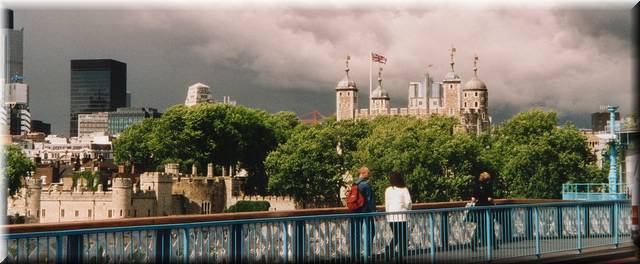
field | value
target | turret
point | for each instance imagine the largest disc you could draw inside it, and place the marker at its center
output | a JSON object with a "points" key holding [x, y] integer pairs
{"points": [[346, 96], [160, 183], [34, 190], [122, 192], [475, 116], [451, 90]]}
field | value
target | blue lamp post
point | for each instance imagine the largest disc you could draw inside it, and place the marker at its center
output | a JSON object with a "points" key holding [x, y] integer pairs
{"points": [[613, 152]]}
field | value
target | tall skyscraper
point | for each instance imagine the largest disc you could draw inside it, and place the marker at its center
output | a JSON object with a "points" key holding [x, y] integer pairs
{"points": [[96, 86], [15, 113]]}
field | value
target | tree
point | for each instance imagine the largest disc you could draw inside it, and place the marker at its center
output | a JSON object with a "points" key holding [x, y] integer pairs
{"points": [[438, 165], [204, 133], [536, 157], [307, 167], [18, 167], [133, 147]]}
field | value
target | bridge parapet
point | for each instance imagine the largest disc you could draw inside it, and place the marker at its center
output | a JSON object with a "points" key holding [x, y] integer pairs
{"points": [[435, 232]]}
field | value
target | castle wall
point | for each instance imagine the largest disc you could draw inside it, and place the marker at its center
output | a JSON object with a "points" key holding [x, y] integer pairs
{"points": [[201, 194]]}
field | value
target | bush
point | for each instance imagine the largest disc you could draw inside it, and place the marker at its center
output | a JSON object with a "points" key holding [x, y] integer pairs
{"points": [[248, 206]]}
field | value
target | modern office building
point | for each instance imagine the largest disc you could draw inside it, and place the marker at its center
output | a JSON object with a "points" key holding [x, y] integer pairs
{"points": [[40, 126], [15, 111], [198, 93], [98, 85], [125, 117], [14, 49], [599, 121], [92, 123]]}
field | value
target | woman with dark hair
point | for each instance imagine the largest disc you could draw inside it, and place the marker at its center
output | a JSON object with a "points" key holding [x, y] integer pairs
{"points": [[397, 199], [482, 196]]}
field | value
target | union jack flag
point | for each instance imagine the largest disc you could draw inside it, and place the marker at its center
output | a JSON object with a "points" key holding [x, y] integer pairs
{"points": [[378, 58]]}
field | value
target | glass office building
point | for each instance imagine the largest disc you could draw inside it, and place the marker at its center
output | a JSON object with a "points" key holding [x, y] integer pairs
{"points": [[125, 117], [96, 86]]}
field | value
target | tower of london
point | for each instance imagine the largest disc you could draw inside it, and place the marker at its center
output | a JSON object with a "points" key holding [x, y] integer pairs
{"points": [[427, 97]]}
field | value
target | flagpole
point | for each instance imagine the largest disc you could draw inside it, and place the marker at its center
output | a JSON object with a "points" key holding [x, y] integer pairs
{"points": [[370, 69]]}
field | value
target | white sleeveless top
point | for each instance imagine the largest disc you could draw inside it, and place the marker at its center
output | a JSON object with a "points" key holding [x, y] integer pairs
{"points": [[397, 200]]}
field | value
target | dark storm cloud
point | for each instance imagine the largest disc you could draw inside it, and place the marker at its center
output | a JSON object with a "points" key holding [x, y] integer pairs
{"points": [[290, 59]]}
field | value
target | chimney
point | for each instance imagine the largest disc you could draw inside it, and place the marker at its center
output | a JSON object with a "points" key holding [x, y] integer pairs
{"points": [[121, 169], [210, 170]]}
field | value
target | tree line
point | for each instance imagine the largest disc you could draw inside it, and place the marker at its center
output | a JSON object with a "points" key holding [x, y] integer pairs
{"points": [[528, 156]]}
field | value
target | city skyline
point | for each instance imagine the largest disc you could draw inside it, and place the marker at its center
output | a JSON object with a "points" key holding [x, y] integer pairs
{"points": [[571, 61]]}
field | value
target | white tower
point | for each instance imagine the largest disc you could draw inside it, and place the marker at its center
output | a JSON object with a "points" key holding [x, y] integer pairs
{"points": [[346, 96], [379, 98], [418, 95], [475, 116]]}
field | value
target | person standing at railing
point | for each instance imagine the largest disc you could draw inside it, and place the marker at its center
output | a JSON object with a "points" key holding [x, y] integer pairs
{"points": [[482, 197], [397, 199], [357, 223]]}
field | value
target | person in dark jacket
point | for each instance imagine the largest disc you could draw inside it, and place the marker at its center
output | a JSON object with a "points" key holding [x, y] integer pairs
{"points": [[482, 196], [358, 223]]}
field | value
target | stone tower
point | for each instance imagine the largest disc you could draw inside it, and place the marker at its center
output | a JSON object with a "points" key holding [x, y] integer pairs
{"points": [[121, 195], [34, 190], [379, 98], [346, 96], [451, 85], [475, 116], [160, 183]]}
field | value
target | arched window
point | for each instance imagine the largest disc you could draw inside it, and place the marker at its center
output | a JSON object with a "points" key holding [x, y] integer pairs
{"points": [[476, 104]]}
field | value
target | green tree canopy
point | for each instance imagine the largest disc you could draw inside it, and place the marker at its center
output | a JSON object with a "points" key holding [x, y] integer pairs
{"points": [[222, 134], [17, 168], [536, 157], [307, 167]]}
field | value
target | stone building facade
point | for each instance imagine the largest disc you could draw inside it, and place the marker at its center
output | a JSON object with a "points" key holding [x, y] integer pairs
{"points": [[468, 103], [154, 194]]}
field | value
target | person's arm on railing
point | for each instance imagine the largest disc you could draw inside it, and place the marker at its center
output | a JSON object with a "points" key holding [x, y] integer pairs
{"points": [[407, 200]]}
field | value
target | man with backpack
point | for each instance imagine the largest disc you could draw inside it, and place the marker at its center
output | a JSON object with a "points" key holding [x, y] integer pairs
{"points": [[361, 199]]}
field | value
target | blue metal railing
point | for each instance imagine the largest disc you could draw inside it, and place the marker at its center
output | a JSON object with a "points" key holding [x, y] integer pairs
{"points": [[433, 235], [595, 191]]}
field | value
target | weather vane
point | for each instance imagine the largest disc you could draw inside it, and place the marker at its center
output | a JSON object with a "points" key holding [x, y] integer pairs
{"points": [[475, 65]]}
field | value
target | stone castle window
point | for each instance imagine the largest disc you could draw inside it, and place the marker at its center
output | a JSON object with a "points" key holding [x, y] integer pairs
{"points": [[110, 213], [62, 213], [89, 213], [42, 212], [77, 213]]}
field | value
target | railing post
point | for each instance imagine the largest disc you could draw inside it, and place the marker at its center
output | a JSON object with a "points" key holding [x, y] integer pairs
{"points": [[559, 223], [163, 246], [75, 247], [489, 233], [444, 232], [235, 244], [185, 244], [300, 237], [537, 224], [59, 250], [285, 242], [579, 227], [367, 238], [432, 237], [614, 219]]}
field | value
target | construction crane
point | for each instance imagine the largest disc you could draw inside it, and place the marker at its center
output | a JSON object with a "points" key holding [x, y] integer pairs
{"points": [[315, 118]]}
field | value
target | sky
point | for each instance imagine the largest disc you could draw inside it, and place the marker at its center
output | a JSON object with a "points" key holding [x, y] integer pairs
{"points": [[279, 58]]}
